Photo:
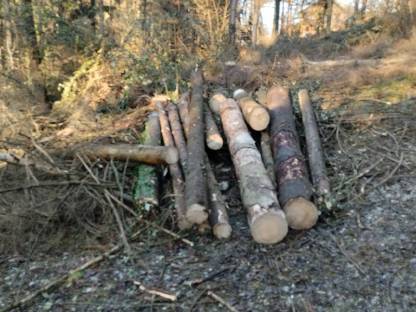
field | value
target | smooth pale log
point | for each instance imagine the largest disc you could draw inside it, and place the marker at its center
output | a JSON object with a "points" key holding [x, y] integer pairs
{"points": [[267, 155], [146, 188], [178, 135], [313, 143], [148, 154], [213, 137], [256, 116], [183, 106], [175, 173], [196, 184], [218, 216], [216, 100], [267, 221], [294, 187]]}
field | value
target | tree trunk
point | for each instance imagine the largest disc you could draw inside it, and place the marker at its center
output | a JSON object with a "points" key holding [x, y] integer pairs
{"points": [[233, 22], [178, 136], [255, 114], [218, 216], [313, 142], [276, 18], [183, 106], [8, 34], [294, 187], [213, 137], [29, 31], [255, 14], [196, 184], [267, 155], [146, 189], [175, 173], [328, 15], [267, 222], [152, 155]]}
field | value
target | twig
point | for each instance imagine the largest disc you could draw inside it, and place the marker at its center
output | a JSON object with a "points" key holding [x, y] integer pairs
{"points": [[221, 300], [346, 255], [61, 280], [391, 174], [156, 292], [199, 281]]}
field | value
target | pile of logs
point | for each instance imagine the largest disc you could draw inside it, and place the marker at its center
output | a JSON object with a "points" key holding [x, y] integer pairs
{"points": [[273, 181]]}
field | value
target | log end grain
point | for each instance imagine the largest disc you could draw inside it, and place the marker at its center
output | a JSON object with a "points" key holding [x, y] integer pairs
{"points": [[269, 228], [196, 214], [301, 213], [171, 155], [259, 119], [222, 230], [215, 142], [216, 100]]}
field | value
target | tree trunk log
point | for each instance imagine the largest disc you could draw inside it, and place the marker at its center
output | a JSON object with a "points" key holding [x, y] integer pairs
{"points": [[146, 189], [213, 137], [175, 173], [266, 220], [255, 115], [217, 99], [178, 135], [313, 143], [294, 187], [196, 184], [218, 216], [152, 155], [183, 106], [267, 155]]}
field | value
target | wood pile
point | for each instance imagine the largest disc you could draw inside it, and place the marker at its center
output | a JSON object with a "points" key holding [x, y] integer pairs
{"points": [[273, 179]]}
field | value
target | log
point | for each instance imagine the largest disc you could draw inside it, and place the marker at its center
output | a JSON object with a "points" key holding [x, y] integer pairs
{"points": [[267, 221], [183, 106], [175, 173], [152, 155], [196, 184], [216, 100], [178, 135], [293, 184], [256, 116], [313, 143], [146, 188], [213, 137], [267, 155], [218, 216]]}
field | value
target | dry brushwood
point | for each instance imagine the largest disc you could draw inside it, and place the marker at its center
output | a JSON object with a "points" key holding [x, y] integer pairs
{"points": [[175, 173], [213, 137], [178, 135], [255, 114], [313, 143], [152, 155], [146, 188], [294, 187], [196, 184], [267, 221]]}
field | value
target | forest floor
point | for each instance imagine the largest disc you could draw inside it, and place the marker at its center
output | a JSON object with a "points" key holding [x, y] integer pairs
{"points": [[359, 257]]}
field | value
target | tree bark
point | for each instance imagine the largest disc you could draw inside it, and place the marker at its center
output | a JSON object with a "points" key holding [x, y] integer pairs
{"points": [[232, 22], [152, 155], [146, 189], [196, 184], [178, 136], [213, 137], [294, 187], [328, 15], [255, 14], [218, 216], [276, 18], [313, 142], [175, 173], [266, 220], [255, 114]]}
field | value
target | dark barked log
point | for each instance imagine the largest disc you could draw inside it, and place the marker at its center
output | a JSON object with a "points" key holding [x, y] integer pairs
{"points": [[148, 154], [146, 188], [313, 143], [213, 137], [294, 187], [267, 221], [195, 181], [178, 135], [175, 173], [256, 116]]}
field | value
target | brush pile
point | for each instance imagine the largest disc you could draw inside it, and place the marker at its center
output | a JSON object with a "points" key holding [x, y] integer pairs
{"points": [[273, 180]]}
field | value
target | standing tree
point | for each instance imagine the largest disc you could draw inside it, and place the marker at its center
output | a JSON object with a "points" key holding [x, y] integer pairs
{"points": [[276, 16]]}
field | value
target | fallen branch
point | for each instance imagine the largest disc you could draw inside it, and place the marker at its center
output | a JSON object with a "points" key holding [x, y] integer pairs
{"points": [[221, 300], [156, 292], [334, 63], [177, 133], [213, 137]]}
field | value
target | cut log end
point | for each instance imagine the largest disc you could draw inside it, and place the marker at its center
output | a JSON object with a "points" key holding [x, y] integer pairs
{"points": [[259, 119], [269, 228], [222, 230], [301, 214], [215, 142], [171, 155], [196, 214]]}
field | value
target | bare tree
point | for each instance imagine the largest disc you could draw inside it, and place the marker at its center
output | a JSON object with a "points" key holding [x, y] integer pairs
{"points": [[276, 16], [233, 21]]}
